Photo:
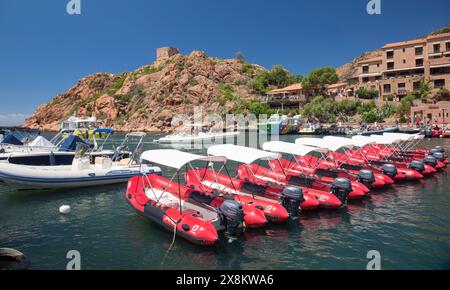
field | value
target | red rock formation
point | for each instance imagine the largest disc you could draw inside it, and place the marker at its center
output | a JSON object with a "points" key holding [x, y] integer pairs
{"points": [[147, 98]]}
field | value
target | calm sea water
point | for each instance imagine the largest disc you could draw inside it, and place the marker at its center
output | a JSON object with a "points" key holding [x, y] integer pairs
{"points": [[409, 224]]}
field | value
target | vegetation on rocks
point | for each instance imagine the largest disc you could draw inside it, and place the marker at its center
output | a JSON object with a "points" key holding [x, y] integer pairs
{"points": [[327, 110]]}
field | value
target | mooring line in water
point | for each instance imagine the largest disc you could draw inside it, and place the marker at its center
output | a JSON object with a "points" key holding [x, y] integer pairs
{"points": [[173, 241]]}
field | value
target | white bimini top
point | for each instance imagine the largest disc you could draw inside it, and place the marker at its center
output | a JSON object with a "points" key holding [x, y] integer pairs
{"points": [[291, 148], [177, 159], [240, 153]]}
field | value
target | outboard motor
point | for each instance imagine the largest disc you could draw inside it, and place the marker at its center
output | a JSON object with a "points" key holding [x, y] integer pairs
{"points": [[291, 198], [439, 156], [389, 170], [439, 149], [428, 133], [366, 177], [430, 160], [232, 217], [341, 188], [417, 165]]}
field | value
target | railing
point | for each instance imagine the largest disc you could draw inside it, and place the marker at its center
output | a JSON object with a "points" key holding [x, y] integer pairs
{"points": [[276, 99]]}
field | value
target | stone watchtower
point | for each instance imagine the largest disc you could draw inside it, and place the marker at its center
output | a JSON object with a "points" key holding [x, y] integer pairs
{"points": [[164, 53]]}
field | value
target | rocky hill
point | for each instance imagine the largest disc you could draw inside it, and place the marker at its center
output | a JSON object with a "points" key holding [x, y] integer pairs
{"points": [[147, 98], [349, 69]]}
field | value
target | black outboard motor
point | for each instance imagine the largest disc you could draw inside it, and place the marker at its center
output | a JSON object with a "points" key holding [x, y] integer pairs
{"points": [[439, 156], [417, 165], [430, 160], [232, 217], [291, 198], [366, 177], [341, 188], [435, 150], [389, 170]]}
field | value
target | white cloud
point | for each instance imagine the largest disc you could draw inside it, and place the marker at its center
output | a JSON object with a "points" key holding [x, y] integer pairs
{"points": [[14, 119]]}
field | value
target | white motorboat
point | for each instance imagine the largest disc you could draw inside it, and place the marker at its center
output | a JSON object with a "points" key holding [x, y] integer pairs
{"points": [[61, 149], [80, 173], [196, 133]]}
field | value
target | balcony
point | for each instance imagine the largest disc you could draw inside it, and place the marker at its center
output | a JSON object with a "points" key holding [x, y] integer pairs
{"points": [[440, 61], [273, 99]]}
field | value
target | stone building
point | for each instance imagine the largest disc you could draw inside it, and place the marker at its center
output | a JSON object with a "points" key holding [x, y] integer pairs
{"points": [[402, 65], [163, 53], [433, 113]]}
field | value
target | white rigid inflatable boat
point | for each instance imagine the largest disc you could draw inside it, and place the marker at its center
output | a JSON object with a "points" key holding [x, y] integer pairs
{"points": [[80, 174]]}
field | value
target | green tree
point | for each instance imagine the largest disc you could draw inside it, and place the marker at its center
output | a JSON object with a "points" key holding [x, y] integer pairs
{"points": [[404, 109], [259, 108], [320, 78], [322, 108], [278, 77], [366, 94], [424, 90]]}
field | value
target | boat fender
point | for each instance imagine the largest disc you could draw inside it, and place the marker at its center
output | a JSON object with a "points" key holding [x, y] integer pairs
{"points": [[366, 177], [341, 188], [389, 170], [232, 217], [439, 156], [185, 227], [18, 260], [430, 160], [291, 198], [417, 165], [64, 209]]}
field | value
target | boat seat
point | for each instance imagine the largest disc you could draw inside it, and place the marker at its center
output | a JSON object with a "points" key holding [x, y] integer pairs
{"points": [[103, 162], [126, 162]]}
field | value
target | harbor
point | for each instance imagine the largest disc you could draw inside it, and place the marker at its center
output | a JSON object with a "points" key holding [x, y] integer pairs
{"points": [[235, 149], [407, 222]]}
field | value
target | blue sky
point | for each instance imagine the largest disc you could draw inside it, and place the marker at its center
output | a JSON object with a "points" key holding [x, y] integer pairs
{"points": [[44, 50]]}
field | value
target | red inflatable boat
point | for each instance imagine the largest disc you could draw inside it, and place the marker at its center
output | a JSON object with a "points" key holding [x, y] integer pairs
{"points": [[220, 184]]}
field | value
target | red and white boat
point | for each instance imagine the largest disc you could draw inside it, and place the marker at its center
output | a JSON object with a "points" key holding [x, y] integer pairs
{"points": [[191, 214], [308, 176], [330, 165], [267, 183]]}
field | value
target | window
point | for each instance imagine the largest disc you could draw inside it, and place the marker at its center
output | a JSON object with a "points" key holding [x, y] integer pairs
{"points": [[387, 88], [401, 85], [447, 46], [439, 83], [403, 50], [419, 62], [390, 65], [365, 79], [416, 86], [436, 48], [390, 54], [419, 50], [404, 61], [365, 69], [378, 65]]}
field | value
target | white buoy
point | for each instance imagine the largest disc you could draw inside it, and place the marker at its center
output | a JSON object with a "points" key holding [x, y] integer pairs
{"points": [[64, 209]]}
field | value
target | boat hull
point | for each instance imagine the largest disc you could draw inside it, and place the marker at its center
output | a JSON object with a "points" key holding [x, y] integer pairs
{"points": [[27, 177]]}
